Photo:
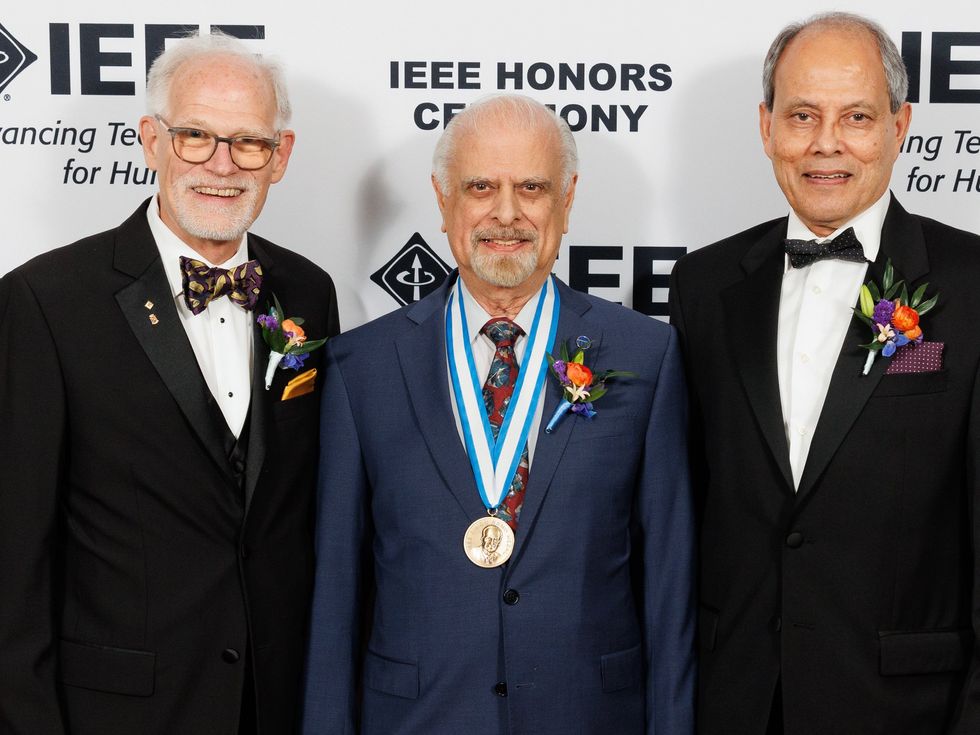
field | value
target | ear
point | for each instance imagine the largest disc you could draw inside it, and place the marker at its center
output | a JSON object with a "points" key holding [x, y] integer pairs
{"points": [[440, 200], [765, 128], [150, 140], [280, 158], [569, 197]]}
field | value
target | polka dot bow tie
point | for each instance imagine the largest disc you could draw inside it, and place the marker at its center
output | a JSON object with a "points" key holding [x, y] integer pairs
{"points": [[202, 284], [843, 247]]}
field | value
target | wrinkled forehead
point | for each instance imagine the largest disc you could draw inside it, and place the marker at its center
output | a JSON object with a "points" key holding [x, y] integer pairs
{"points": [[503, 146], [223, 82], [831, 65], [829, 44]]}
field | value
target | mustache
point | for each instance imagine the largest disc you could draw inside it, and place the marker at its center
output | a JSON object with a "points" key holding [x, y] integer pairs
{"points": [[503, 233]]}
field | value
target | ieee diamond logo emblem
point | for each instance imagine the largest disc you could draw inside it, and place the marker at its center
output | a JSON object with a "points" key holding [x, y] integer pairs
{"points": [[412, 274], [14, 58]]}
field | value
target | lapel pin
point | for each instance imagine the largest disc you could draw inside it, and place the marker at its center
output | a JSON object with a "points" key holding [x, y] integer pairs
{"points": [[148, 305], [153, 320]]}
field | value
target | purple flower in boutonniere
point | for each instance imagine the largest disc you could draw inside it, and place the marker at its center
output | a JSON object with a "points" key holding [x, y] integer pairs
{"points": [[268, 321], [581, 386], [894, 321], [288, 345]]}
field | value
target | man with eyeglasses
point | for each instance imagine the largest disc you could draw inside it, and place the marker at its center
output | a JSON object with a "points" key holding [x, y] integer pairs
{"points": [[156, 477]]}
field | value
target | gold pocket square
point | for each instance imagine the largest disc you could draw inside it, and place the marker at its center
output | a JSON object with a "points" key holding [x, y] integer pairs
{"points": [[300, 385]]}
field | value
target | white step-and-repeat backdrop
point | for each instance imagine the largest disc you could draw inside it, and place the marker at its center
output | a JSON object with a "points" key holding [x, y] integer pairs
{"points": [[663, 98]]}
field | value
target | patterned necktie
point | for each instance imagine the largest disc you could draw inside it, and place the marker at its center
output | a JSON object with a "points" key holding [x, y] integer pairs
{"points": [[203, 284], [497, 392], [843, 247]]}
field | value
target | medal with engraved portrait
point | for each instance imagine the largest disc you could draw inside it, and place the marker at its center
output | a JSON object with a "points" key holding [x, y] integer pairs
{"points": [[488, 542]]}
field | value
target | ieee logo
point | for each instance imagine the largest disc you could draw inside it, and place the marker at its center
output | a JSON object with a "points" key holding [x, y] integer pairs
{"points": [[14, 58], [412, 274]]}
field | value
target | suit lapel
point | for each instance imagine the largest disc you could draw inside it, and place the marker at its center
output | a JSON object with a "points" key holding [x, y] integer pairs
{"points": [[422, 356], [901, 241], [751, 322], [165, 342], [260, 408], [549, 448]]}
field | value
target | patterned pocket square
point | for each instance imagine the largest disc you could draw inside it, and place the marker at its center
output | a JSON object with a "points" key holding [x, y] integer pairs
{"points": [[926, 357], [300, 385]]}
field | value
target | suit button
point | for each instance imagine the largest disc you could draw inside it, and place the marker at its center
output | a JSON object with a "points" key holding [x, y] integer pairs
{"points": [[794, 540], [511, 597], [776, 623], [230, 656], [239, 467], [500, 688], [244, 551]]}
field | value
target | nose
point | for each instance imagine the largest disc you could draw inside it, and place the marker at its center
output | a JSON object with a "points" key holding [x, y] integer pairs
{"points": [[220, 163], [507, 208], [828, 137]]}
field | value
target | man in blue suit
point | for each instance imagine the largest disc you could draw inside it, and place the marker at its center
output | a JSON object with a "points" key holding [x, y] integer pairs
{"points": [[479, 570]]}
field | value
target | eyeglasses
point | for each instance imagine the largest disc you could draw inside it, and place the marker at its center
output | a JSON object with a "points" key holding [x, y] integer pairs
{"points": [[197, 146]]}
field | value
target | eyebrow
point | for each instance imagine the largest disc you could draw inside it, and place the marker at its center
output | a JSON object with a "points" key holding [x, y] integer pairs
{"points": [[198, 124], [540, 181], [794, 102]]}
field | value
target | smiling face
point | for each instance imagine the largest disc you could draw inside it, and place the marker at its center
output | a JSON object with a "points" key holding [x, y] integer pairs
{"points": [[210, 205], [504, 210], [831, 135]]}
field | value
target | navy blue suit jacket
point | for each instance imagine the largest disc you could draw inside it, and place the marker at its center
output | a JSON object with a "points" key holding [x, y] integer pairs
{"points": [[596, 632]]}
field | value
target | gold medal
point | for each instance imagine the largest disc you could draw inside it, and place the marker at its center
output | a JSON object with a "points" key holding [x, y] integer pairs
{"points": [[488, 542]]}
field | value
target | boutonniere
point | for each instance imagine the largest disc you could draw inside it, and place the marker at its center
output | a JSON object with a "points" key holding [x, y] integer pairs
{"points": [[287, 341], [581, 387], [892, 315]]}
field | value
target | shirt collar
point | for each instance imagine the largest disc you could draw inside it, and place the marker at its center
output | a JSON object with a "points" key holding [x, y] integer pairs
{"points": [[172, 247], [477, 316], [867, 228]]}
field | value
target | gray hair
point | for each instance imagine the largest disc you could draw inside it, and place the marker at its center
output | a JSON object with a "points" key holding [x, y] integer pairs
{"points": [[895, 72], [216, 45], [517, 110]]}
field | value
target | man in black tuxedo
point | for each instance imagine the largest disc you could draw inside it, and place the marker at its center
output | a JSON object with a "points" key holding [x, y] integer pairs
{"points": [[839, 588], [155, 491]]}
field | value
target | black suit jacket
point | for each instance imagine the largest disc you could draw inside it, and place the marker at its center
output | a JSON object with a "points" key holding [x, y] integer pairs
{"points": [[859, 592], [138, 564]]}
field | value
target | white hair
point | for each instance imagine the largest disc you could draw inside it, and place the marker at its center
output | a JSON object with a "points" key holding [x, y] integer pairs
{"points": [[216, 45]]}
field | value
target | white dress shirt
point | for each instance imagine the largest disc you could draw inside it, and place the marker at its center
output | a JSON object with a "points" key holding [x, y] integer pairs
{"points": [[484, 348], [815, 311], [221, 335]]}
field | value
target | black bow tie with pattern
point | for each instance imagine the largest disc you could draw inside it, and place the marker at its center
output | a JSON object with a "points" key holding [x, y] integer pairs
{"points": [[203, 284], [845, 246]]}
